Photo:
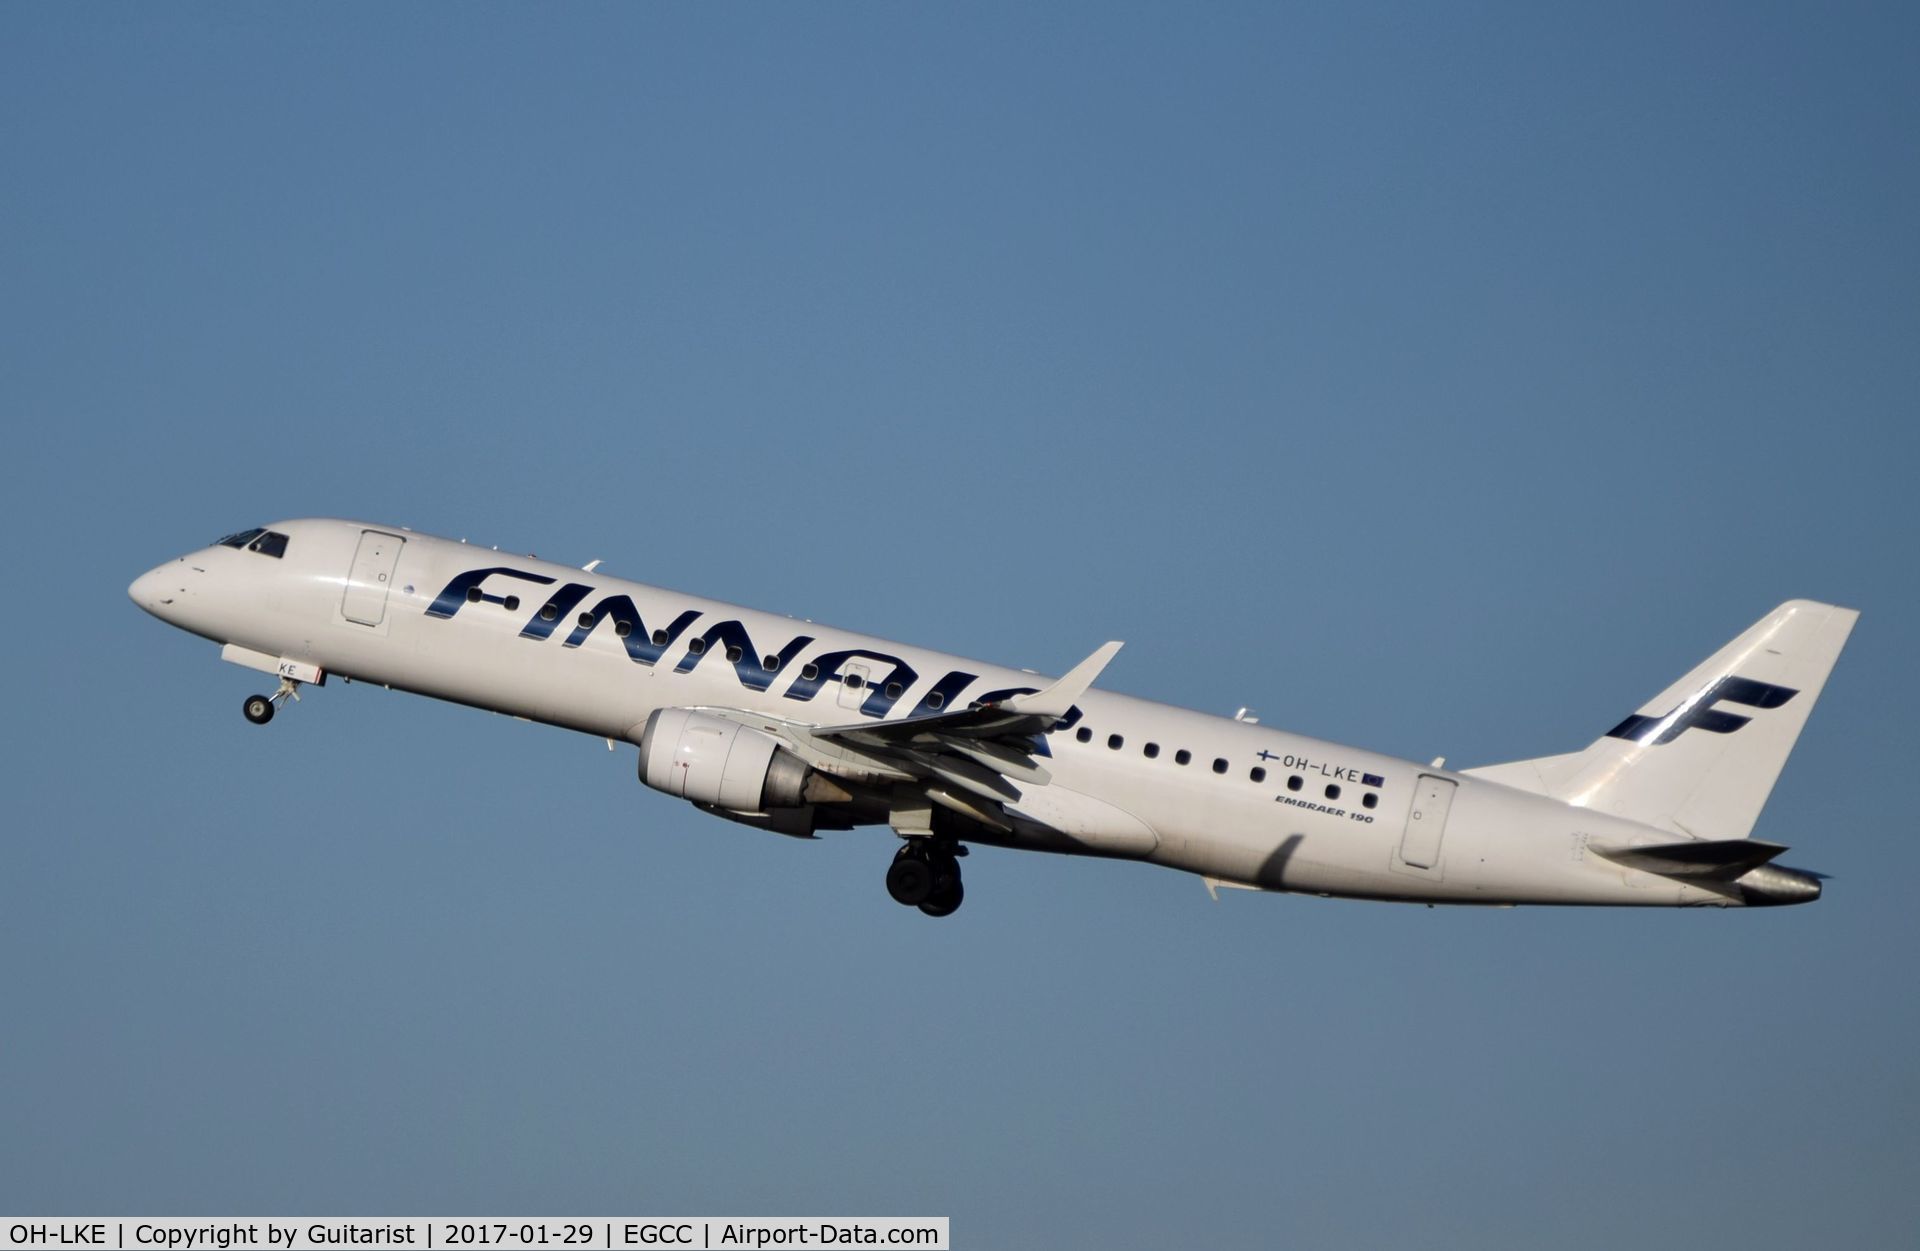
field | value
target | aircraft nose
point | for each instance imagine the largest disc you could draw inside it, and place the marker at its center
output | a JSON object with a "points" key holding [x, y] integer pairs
{"points": [[151, 590]]}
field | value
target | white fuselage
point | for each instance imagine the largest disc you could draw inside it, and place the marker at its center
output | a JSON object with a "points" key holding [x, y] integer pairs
{"points": [[1235, 801]]}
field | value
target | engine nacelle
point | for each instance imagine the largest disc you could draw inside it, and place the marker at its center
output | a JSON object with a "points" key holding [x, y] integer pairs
{"points": [[717, 762], [793, 822]]}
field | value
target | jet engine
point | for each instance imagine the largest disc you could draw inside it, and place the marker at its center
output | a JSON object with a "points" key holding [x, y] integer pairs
{"points": [[722, 764]]}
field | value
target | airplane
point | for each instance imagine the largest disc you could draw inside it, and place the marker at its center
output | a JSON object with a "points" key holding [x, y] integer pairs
{"points": [[796, 728]]}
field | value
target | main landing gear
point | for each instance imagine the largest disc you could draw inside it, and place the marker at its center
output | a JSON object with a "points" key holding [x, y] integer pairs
{"points": [[925, 874], [259, 708]]}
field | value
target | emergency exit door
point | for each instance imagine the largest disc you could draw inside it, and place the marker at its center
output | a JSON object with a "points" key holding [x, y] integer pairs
{"points": [[368, 582], [1427, 822], [854, 681]]}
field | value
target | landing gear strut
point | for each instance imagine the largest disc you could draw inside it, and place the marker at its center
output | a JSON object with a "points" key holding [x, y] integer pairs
{"points": [[259, 708], [926, 875]]}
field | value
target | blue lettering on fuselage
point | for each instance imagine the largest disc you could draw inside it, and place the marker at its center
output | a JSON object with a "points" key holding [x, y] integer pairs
{"points": [[547, 619], [944, 692], [754, 669], [454, 597], [826, 667], [642, 647]]}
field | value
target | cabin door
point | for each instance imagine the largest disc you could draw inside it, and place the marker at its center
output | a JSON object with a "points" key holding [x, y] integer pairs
{"points": [[365, 600], [1427, 822]]}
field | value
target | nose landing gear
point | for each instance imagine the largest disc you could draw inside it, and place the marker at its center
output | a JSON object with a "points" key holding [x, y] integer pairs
{"points": [[926, 875], [259, 709]]}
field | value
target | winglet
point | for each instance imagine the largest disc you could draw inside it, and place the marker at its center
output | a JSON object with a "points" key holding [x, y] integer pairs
{"points": [[1058, 699]]}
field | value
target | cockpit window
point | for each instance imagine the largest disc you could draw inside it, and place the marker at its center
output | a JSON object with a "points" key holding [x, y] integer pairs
{"points": [[259, 539]]}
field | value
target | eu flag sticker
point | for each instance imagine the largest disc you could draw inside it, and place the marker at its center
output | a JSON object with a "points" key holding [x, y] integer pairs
{"points": [[1372, 779]]}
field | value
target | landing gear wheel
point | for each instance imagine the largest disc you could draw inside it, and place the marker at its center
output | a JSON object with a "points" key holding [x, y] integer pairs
{"points": [[945, 903], [925, 874], [910, 878], [258, 709]]}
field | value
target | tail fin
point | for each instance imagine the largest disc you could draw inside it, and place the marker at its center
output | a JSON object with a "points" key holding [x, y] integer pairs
{"points": [[1700, 758]]}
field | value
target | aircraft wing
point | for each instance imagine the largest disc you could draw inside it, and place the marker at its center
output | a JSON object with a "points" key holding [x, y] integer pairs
{"points": [[973, 756]]}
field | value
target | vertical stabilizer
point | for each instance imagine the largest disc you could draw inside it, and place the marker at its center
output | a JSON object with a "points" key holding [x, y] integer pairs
{"points": [[1701, 757]]}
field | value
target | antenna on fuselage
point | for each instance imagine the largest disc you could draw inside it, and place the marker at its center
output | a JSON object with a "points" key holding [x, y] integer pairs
{"points": [[590, 566]]}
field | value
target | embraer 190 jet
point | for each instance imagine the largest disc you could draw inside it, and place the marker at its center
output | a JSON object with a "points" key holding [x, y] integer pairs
{"points": [[796, 728]]}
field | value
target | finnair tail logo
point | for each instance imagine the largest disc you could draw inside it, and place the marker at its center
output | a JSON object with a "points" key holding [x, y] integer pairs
{"points": [[1700, 713]]}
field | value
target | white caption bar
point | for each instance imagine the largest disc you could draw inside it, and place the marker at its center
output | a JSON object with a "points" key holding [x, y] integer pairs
{"points": [[469, 1233]]}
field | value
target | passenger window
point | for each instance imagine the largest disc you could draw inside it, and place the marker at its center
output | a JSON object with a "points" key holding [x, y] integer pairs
{"points": [[511, 603], [623, 628], [1333, 791], [1369, 800], [473, 597], [853, 681], [1183, 756], [1219, 765], [697, 646], [586, 618], [1150, 751], [1083, 734], [770, 663], [1115, 741], [809, 673], [895, 690], [1258, 774], [936, 700], [733, 655], [1293, 783], [548, 612], [659, 638]]}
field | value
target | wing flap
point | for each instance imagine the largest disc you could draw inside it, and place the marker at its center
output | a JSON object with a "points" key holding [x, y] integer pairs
{"points": [[988, 814], [968, 776], [1010, 761]]}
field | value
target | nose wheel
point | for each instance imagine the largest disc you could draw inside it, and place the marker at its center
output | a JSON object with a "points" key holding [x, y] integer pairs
{"points": [[927, 877], [259, 709]]}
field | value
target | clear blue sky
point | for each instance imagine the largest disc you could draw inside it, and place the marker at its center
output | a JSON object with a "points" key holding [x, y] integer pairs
{"points": [[1444, 379]]}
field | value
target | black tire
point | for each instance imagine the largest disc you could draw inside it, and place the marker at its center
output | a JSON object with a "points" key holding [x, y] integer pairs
{"points": [[910, 880], [946, 902], [258, 709]]}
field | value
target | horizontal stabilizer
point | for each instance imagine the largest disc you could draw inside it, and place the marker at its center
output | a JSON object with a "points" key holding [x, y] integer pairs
{"points": [[1720, 861]]}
